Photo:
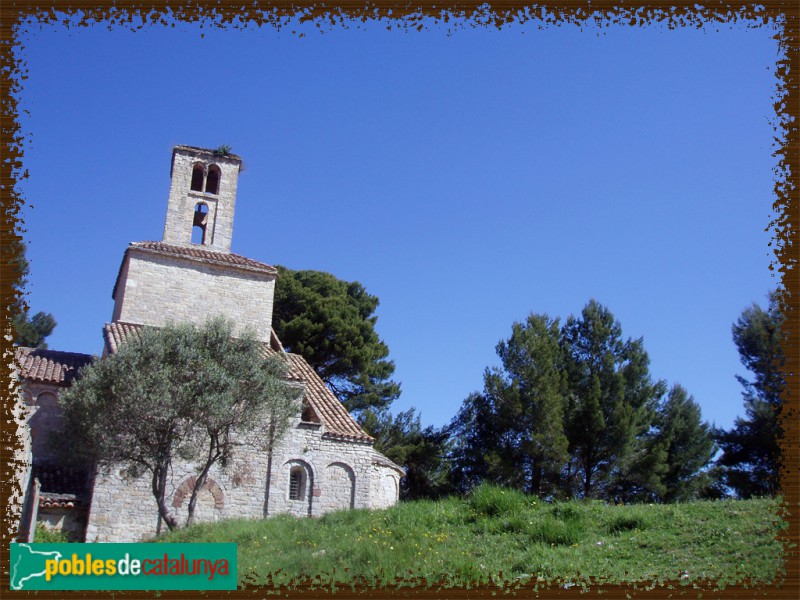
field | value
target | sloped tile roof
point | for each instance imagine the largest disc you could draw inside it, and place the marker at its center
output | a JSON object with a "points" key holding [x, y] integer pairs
{"points": [[50, 366], [203, 255], [339, 424], [114, 334]]}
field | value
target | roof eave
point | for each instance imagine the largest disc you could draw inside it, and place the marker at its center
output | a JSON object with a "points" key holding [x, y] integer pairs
{"points": [[272, 272]]}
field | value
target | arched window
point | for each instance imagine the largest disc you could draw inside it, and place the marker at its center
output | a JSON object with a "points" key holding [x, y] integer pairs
{"points": [[297, 483], [212, 180], [197, 178], [200, 222]]}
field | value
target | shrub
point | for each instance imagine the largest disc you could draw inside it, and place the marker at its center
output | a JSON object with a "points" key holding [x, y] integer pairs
{"points": [[557, 533], [45, 535], [491, 501], [627, 522]]}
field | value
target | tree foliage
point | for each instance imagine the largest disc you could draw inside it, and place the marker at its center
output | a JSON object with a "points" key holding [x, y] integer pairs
{"points": [[688, 444], [751, 455], [528, 396], [422, 452], [476, 433], [611, 400], [574, 412], [331, 323], [28, 331], [179, 392]]}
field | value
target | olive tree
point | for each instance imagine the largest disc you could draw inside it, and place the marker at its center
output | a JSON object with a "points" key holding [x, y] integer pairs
{"points": [[177, 392]]}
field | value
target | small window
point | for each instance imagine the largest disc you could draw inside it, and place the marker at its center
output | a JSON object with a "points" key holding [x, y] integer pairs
{"points": [[197, 178], [308, 415], [212, 181], [297, 483], [199, 224]]}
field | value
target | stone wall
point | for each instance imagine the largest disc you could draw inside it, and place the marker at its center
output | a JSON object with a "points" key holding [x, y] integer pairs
{"points": [[21, 502], [338, 475], [154, 289], [385, 487], [42, 418], [182, 200]]}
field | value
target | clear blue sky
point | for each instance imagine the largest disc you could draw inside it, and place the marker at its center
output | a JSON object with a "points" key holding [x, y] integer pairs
{"points": [[465, 179]]}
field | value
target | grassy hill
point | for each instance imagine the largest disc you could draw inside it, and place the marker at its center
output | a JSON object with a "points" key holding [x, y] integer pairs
{"points": [[504, 537]]}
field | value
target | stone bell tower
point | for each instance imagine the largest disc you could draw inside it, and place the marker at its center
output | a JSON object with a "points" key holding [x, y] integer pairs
{"points": [[202, 198], [191, 274]]}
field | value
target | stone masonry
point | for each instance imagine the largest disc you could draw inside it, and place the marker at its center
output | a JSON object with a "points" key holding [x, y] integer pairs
{"points": [[339, 475], [324, 463], [183, 199], [196, 290]]}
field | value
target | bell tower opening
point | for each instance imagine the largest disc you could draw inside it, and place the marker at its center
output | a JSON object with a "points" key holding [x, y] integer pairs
{"points": [[200, 223], [197, 177], [202, 197], [212, 180]]}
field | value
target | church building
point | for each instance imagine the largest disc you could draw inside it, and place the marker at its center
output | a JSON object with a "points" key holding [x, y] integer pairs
{"points": [[325, 462]]}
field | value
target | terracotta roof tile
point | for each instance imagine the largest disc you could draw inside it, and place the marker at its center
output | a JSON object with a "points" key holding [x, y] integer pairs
{"points": [[339, 424], [200, 254], [50, 366], [60, 501], [114, 334]]}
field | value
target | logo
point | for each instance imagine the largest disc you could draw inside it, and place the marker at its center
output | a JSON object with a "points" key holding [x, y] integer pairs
{"points": [[123, 566]]}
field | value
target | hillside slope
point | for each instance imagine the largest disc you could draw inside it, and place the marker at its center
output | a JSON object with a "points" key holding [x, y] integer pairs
{"points": [[504, 537]]}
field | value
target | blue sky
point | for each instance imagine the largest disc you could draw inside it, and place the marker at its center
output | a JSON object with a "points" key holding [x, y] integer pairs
{"points": [[466, 179]]}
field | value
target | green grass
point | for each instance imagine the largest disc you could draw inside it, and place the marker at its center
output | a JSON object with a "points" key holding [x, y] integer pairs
{"points": [[502, 537]]}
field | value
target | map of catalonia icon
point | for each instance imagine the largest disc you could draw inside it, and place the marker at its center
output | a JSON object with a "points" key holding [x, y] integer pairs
{"points": [[29, 564]]}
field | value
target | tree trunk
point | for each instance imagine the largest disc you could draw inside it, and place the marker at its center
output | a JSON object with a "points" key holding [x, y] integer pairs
{"points": [[271, 439], [586, 474], [201, 480], [587, 481], [159, 485]]}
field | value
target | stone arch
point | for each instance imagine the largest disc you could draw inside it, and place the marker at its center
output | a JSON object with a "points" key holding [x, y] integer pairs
{"points": [[47, 399], [199, 223], [303, 504], [339, 487], [198, 177], [187, 487], [213, 178]]}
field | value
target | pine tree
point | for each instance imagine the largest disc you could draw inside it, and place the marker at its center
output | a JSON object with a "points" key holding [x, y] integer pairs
{"points": [[331, 323], [28, 331], [689, 446], [475, 432], [513, 433], [611, 404], [530, 395], [422, 452], [751, 455]]}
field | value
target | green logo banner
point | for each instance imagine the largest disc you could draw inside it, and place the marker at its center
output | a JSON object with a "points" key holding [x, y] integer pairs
{"points": [[123, 566]]}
